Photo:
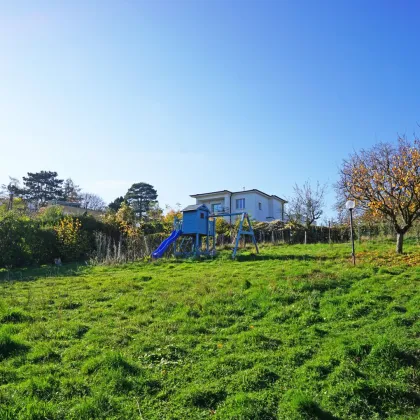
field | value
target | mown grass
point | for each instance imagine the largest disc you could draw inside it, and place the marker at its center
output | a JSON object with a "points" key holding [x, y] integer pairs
{"points": [[295, 333]]}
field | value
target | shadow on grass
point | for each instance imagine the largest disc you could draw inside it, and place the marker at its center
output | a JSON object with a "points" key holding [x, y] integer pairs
{"points": [[310, 409], [50, 271], [262, 257], [10, 347], [317, 412]]}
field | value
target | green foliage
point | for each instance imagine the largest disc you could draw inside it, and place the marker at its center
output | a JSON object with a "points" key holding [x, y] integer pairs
{"points": [[294, 333], [151, 227], [116, 204], [125, 219], [26, 241], [50, 215], [23, 241], [42, 186], [222, 226], [72, 241], [140, 197], [169, 218], [16, 204], [16, 235]]}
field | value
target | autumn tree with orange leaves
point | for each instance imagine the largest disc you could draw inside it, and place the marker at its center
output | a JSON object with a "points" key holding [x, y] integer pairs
{"points": [[385, 180]]}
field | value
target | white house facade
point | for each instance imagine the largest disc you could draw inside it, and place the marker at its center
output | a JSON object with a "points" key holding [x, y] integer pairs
{"points": [[259, 205]]}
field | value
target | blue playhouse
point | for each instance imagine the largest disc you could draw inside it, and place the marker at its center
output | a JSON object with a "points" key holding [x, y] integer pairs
{"points": [[195, 233]]}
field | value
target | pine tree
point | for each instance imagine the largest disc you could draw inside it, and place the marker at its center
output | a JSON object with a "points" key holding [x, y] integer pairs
{"points": [[41, 187], [116, 204], [140, 196]]}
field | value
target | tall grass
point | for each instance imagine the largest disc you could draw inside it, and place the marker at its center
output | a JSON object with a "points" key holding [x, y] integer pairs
{"points": [[296, 332], [127, 249]]}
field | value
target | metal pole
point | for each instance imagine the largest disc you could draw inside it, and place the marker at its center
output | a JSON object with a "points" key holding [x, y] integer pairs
{"points": [[197, 244], [208, 234], [329, 232], [352, 238]]}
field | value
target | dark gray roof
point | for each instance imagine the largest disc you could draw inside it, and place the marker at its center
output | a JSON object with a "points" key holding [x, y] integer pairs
{"points": [[194, 207], [209, 193], [238, 192]]}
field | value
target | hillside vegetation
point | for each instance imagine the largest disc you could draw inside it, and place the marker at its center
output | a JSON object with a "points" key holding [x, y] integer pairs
{"points": [[294, 333]]}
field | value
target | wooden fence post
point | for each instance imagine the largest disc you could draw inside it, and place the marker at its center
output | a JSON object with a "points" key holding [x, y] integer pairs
{"points": [[329, 232]]}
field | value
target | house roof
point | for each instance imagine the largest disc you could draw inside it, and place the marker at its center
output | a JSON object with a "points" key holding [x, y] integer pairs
{"points": [[194, 207], [210, 193], [237, 192]]}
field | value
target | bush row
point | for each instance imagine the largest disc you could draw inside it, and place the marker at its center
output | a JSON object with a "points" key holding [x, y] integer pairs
{"points": [[28, 241], [50, 234]]}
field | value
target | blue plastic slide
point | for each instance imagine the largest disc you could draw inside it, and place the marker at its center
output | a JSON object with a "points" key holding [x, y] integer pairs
{"points": [[158, 253]]}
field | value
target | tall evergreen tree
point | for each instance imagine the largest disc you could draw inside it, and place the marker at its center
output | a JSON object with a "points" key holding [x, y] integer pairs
{"points": [[41, 187], [116, 204], [140, 196], [71, 191]]}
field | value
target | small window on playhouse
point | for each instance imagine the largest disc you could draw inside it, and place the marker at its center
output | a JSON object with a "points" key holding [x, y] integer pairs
{"points": [[259, 206], [201, 215]]}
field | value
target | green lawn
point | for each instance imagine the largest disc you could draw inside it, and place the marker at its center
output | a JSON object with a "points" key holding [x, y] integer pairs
{"points": [[295, 333]]}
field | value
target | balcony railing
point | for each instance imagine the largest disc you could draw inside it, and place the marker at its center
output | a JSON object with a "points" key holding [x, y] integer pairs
{"points": [[221, 210]]}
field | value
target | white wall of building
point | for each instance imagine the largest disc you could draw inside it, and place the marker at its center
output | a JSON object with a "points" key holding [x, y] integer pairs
{"points": [[278, 213], [271, 207], [219, 198]]}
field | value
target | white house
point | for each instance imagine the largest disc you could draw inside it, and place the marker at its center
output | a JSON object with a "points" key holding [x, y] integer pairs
{"points": [[260, 206]]}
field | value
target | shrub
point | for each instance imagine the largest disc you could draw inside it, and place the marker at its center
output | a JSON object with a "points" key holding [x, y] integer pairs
{"points": [[72, 241], [222, 226], [50, 215], [15, 235]]}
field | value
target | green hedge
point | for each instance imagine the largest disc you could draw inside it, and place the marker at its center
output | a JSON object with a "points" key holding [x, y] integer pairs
{"points": [[28, 241]]}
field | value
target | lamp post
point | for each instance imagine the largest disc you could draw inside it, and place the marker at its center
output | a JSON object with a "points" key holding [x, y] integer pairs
{"points": [[350, 205]]}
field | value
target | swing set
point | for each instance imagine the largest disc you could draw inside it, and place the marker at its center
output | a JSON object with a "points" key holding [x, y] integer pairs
{"points": [[195, 233]]}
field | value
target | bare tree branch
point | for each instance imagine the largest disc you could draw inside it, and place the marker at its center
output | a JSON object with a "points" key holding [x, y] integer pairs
{"points": [[307, 204], [90, 201]]}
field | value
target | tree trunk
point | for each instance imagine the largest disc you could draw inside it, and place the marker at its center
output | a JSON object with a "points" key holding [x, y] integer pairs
{"points": [[400, 239]]}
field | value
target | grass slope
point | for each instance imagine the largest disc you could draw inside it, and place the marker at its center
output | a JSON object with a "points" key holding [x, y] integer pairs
{"points": [[295, 333]]}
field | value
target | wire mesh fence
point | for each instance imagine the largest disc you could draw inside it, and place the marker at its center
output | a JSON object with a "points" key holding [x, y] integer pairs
{"points": [[126, 249]]}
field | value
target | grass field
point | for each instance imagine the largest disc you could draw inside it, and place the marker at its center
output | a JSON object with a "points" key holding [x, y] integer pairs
{"points": [[295, 333]]}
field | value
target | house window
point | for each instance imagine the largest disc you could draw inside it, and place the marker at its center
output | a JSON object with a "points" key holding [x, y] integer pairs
{"points": [[240, 203], [259, 206], [202, 215], [217, 207]]}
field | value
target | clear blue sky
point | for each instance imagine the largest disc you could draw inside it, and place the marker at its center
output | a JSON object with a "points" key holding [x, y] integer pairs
{"points": [[197, 96]]}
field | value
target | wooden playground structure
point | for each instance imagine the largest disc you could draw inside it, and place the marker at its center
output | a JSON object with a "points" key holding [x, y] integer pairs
{"points": [[195, 233]]}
